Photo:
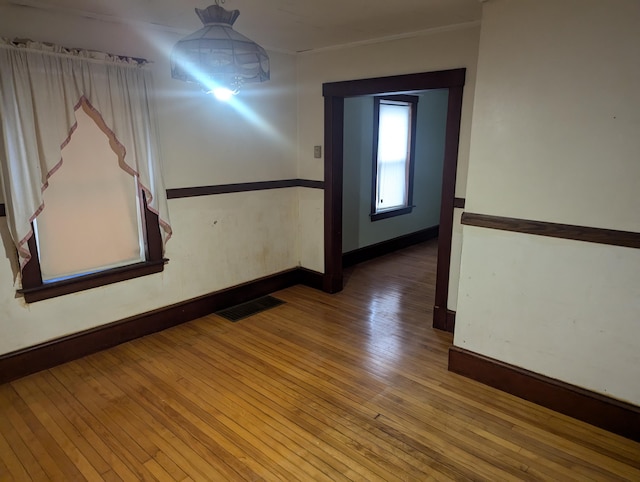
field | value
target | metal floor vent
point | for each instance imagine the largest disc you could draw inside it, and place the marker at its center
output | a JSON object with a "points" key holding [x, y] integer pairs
{"points": [[244, 310]]}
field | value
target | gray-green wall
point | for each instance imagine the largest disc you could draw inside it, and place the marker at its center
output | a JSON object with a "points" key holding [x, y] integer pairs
{"points": [[358, 231]]}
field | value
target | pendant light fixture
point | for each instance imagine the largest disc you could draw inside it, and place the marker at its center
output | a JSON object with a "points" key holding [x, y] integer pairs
{"points": [[217, 57]]}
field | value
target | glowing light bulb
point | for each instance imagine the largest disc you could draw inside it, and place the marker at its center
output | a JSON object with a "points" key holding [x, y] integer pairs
{"points": [[222, 93]]}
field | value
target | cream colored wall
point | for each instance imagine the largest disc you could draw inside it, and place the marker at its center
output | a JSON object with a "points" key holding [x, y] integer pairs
{"points": [[219, 241], [252, 138], [311, 228], [555, 138], [439, 50]]}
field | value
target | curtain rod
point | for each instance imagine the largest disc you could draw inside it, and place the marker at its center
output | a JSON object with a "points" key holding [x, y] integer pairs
{"points": [[48, 47]]}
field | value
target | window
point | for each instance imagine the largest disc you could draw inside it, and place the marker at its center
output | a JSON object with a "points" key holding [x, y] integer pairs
{"points": [[86, 204], [394, 150], [108, 216], [116, 243]]}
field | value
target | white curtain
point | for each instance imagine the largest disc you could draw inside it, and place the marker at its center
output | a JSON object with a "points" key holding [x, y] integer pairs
{"points": [[41, 86]]}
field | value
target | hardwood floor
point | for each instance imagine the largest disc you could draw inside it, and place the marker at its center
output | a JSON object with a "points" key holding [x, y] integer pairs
{"points": [[352, 386]]}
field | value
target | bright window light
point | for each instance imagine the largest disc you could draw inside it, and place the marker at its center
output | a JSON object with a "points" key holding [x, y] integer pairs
{"points": [[107, 213], [393, 155]]}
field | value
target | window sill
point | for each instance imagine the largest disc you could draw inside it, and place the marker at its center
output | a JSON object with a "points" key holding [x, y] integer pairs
{"points": [[94, 280], [391, 213]]}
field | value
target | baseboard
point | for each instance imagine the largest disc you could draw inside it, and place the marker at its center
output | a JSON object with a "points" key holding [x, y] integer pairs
{"points": [[444, 319], [451, 321], [310, 278], [385, 247], [599, 410], [55, 352]]}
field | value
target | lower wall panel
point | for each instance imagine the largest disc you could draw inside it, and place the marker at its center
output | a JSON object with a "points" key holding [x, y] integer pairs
{"points": [[47, 355], [563, 308], [604, 412]]}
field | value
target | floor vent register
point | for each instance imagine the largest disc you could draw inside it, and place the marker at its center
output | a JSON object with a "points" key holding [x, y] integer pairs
{"points": [[244, 310]]}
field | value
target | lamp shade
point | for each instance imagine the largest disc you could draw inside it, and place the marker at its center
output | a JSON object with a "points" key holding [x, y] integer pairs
{"points": [[217, 55]]}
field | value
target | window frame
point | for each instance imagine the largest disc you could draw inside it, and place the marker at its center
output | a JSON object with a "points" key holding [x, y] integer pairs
{"points": [[34, 289], [412, 100]]}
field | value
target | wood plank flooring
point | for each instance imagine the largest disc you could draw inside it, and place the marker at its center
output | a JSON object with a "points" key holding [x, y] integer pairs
{"points": [[352, 386]]}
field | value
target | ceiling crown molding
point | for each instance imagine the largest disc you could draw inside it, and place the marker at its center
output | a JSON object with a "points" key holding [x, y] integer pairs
{"points": [[418, 33]]}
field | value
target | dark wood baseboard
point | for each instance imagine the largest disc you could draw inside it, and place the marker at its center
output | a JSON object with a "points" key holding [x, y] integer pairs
{"points": [[439, 317], [385, 247], [444, 319], [451, 321], [310, 278], [599, 410], [55, 352]]}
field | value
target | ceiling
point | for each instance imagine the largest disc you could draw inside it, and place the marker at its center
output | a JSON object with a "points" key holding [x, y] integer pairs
{"points": [[288, 25]]}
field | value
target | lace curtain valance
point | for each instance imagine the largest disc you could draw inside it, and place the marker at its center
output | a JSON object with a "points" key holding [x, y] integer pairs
{"points": [[41, 86]]}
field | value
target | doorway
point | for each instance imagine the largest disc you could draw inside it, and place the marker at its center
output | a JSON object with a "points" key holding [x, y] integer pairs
{"points": [[334, 94]]}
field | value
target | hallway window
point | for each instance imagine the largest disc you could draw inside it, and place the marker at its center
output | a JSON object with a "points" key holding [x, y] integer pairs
{"points": [[394, 149]]}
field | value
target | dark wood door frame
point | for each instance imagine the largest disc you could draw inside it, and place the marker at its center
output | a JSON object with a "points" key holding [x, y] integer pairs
{"points": [[334, 94]]}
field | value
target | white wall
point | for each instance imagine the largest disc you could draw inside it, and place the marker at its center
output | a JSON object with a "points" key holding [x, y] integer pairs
{"points": [[357, 228], [440, 50], [219, 241], [555, 137]]}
